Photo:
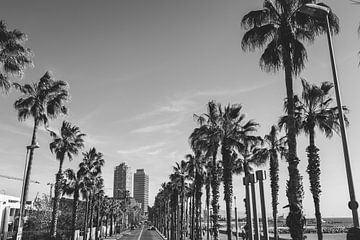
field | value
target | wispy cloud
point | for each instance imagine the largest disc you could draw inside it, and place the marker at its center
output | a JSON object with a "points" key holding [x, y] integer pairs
{"points": [[234, 91], [156, 127], [179, 105], [149, 149]]}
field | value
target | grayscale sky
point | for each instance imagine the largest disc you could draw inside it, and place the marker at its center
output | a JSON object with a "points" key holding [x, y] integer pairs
{"points": [[139, 70]]}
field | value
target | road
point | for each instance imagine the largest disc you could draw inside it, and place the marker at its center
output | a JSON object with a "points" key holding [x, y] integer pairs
{"points": [[141, 234]]}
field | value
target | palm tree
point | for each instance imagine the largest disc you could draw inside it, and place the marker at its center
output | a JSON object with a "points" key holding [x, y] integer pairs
{"points": [[276, 147], [196, 173], [207, 181], [314, 110], [180, 173], [41, 101], [92, 163], [231, 133], [14, 56], [67, 144], [99, 196], [234, 137], [206, 138], [280, 28], [74, 185]]}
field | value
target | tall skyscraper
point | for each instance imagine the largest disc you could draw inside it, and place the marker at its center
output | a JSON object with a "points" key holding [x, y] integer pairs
{"points": [[141, 189], [122, 181]]}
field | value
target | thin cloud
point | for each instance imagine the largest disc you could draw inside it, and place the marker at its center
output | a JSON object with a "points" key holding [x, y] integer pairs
{"points": [[232, 91], [143, 149], [156, 128], [173, 106]]}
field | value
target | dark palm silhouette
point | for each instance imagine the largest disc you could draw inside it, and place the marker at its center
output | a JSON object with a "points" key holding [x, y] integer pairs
{"points": [[314, 110], [280, 28], [41, 101], [275, 148], [74, 185], [66, 144], [14, 56]]}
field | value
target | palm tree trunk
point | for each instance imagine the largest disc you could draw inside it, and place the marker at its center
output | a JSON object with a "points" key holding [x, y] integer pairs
{"points": [[207, 210], [198, 193], [74, 211], [215, 197], [274, 179], [111, 224], [86, 218], [313, 170], [295, 220], [106, 225], [227, 176], [29, 165], [193, 216], [91, 220], [55, 212], [97, 220], [182, 211]]}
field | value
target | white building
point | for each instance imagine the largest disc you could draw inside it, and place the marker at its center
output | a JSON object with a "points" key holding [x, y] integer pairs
{"points": [[9, 208]]}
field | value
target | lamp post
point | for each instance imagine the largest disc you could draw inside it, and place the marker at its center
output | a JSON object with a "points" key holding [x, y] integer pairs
{"points": [[236, 220], [23, 197], [322, 13]]}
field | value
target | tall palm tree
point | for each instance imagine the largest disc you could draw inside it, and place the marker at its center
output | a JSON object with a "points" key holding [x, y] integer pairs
{"points": [[314, 110], [14, 56], [206, 138], [92, 163], [41, 101], [207, 182], [180, 172], [234, 137], [99, 196], [251, 155], [66, 144], [232, 133], [276, 147], [74, 185], [281, 28], [196, 172]]}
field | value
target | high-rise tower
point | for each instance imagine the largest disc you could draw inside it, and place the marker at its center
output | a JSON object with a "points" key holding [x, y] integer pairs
{"points": [[122, 181], [141, 189]]}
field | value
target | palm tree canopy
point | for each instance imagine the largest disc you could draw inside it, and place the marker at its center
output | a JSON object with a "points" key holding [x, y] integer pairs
{"points": [[222, 126], [314, 110], [68, 143], [14, 56], [279, 26], [251, 155], [42, 100], [92, 162]]}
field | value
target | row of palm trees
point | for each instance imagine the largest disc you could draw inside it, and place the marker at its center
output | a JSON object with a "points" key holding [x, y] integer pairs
{"points": [[42, 102], [225, 144]]}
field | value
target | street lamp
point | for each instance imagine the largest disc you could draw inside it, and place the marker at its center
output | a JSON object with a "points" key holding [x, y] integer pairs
{"points": [[23, 197], [322, 13]]}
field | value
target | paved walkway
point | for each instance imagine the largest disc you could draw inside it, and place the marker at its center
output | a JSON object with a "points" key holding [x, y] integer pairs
{"points": [[142, 233]]}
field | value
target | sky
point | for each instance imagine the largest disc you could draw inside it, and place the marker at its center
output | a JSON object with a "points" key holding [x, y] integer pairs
{"points": [[138, 70]]}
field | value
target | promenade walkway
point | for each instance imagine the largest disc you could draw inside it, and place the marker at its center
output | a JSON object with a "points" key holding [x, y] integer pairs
{"points": [[138, 234]]}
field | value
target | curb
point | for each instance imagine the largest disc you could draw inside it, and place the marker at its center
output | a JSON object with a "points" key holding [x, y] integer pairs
{"points": [[161, 235]]}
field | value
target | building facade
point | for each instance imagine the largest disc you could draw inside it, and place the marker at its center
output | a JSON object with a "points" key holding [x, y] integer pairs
{"points": [[141, 189], [122, 181]]}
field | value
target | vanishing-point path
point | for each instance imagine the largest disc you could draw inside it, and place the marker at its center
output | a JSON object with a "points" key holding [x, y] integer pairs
{"points": [[141, 234]]}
